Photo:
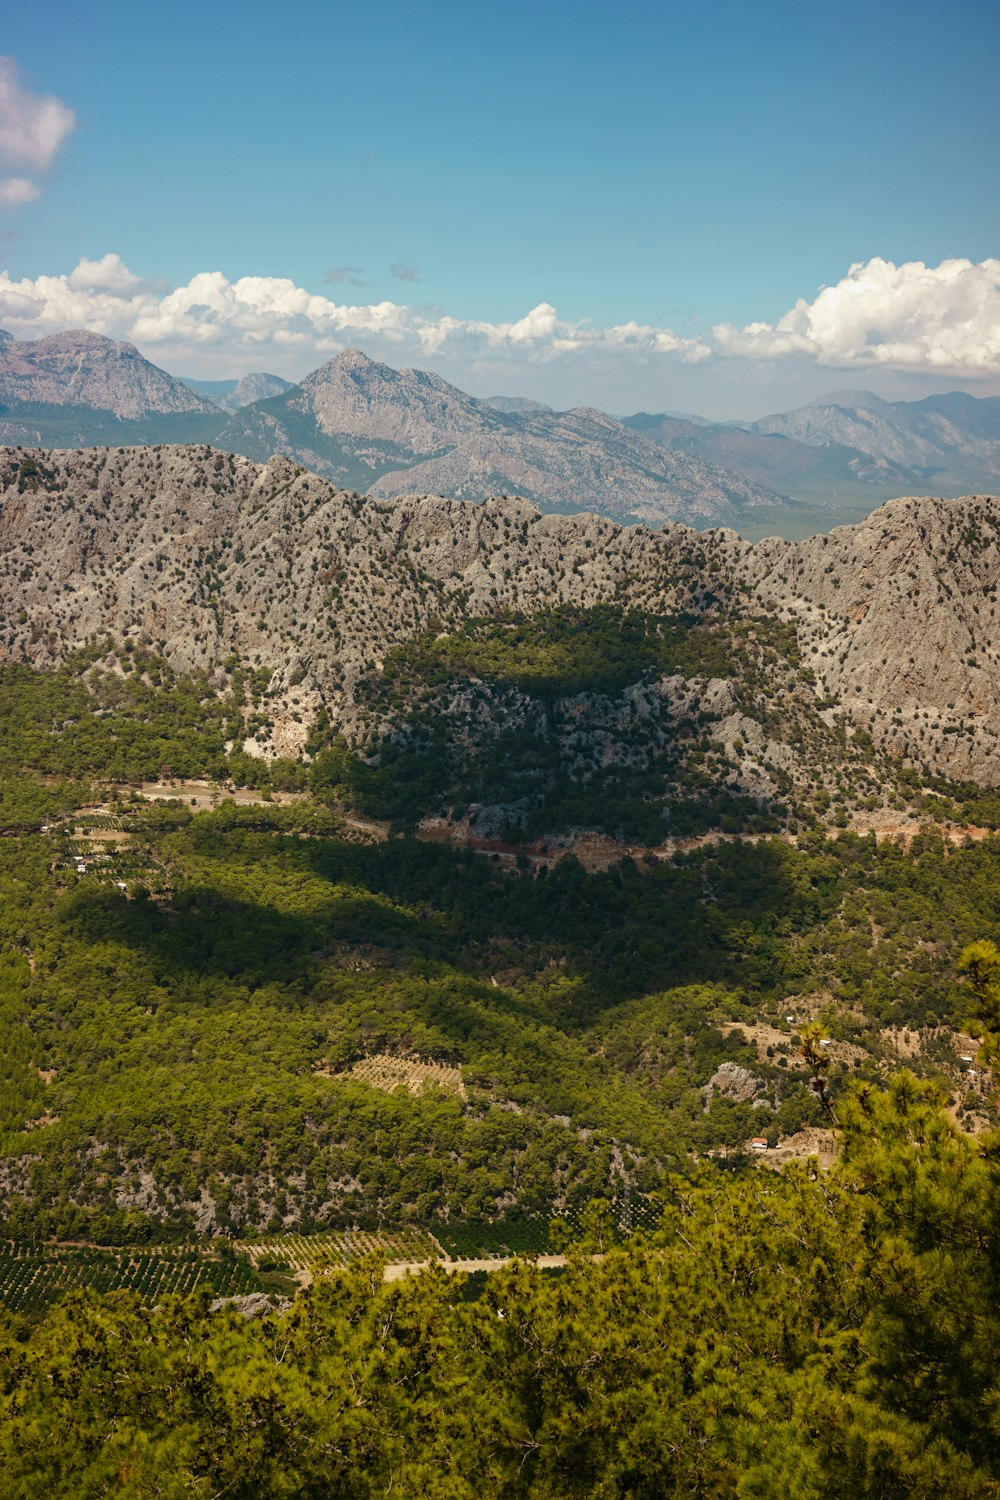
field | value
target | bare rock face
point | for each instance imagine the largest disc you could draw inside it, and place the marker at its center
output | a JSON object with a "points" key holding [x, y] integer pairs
{"points": [[898, 619], [87, 369], [202, 554], [361, 397], [732, 1082]]}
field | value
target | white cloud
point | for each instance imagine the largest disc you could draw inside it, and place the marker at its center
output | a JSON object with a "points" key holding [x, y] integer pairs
{"points": [[211, 313], [17, 190], [32, 126], [109, 274], [933, 319], [942, 320]]}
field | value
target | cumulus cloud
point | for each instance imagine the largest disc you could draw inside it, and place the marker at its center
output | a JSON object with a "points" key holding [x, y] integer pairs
{"points": [[32, 128], [914, 318], [109, 274], [934, 319], [260, 313], [17, 190], [352, 274], [404, 272]]}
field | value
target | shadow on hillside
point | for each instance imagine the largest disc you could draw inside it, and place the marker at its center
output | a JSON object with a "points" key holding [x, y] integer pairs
{"points": [[208, 932], [722, 913], [566, 947]]}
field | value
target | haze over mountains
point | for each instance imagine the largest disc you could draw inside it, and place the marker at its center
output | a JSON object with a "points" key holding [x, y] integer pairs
{"points": [[368, 427], [820, 471], [231, 395]]}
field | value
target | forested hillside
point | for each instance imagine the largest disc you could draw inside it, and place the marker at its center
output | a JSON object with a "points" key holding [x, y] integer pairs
{"points": [[464, 882], [798, 1334], [191, 995]]}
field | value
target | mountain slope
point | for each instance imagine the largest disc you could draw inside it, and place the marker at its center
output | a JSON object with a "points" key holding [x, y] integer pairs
{"points": [[79, 389], [89, 370], [370, 427], [884, 637], [951, 440], [804, 468]]}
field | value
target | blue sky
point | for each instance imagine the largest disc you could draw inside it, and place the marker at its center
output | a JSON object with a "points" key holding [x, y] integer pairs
{"points": [[673, 166]]}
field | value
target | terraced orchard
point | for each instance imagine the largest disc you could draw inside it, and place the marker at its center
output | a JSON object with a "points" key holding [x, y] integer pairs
{"points": [[314, 1253], [32, 1278], [383, 1071]]}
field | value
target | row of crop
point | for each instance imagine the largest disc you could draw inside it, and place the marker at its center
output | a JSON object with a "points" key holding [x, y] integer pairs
{"points": [[29, 1283], [473, 1240], [314, 1252]]}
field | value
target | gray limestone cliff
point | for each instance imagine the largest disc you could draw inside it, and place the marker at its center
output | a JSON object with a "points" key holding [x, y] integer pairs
{"points": [[201, 555]]}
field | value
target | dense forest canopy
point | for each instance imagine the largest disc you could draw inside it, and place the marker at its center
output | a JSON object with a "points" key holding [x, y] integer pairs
{"points": [[190, 996], [800, 1334]]}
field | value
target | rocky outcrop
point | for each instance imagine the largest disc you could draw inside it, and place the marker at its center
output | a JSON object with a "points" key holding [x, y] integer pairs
{"points": [[733, 1082], [201, 555]]}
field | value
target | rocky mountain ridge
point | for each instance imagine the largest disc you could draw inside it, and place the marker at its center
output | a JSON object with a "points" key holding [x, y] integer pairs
{"points": [[950, 439], [365, 426], [78, 368], [399, 432], [205, 557]]}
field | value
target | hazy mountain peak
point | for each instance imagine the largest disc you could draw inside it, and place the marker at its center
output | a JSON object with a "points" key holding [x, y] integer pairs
{"points": [[514, 405], [852, 399], [80, 368], [257, 386]]}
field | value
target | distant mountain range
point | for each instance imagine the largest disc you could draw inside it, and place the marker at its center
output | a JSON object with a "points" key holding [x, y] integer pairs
{"points": [[231, 395], [841, 444], [369, 427], [366, 426], [951, 440]]}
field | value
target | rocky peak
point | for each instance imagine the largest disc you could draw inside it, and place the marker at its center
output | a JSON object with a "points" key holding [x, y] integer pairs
{"points": [[359, 397], [80, 368]]}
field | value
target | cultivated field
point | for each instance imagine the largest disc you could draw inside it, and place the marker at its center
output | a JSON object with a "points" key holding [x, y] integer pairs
{"points": [[32, 1277]]}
